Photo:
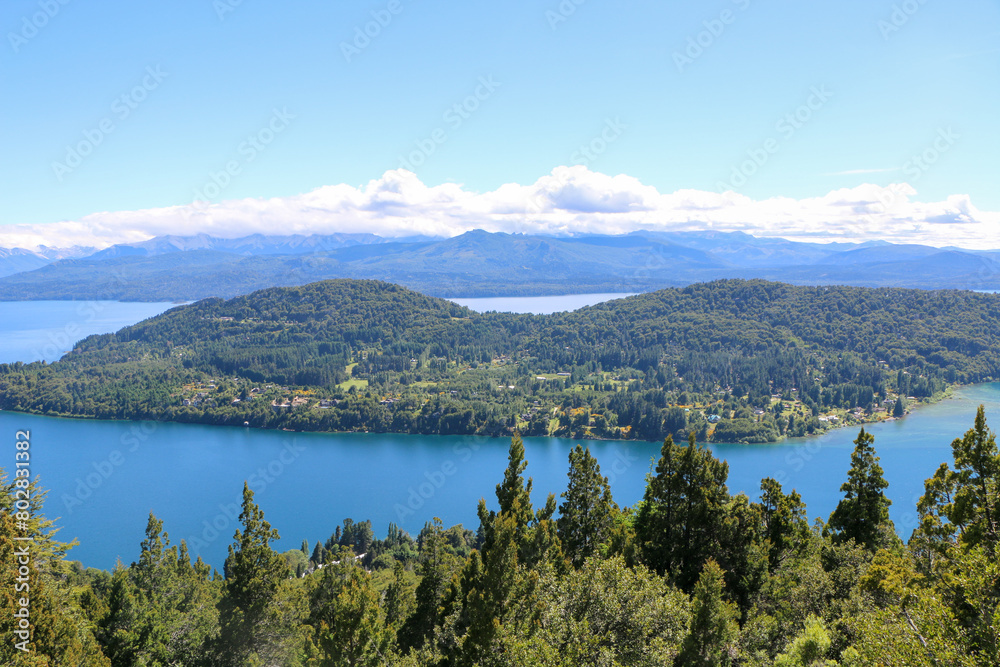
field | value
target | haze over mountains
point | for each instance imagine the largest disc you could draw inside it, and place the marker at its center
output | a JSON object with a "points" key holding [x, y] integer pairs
{"points": [[16, 260], [477, 263]]}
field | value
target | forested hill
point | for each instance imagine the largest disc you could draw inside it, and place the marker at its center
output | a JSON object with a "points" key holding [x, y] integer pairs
{"points": [[730, 360], [332, 311]]}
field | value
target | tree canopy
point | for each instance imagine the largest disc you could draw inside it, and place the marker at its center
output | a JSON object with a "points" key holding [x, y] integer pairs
{"points": [[691, 576], [730, 361]]}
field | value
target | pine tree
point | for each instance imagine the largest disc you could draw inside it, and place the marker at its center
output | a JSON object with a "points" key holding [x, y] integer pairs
{"points": [[491, 597], [317, 555], [161, 610], [535, 533], [899, 409], [514, 494], [344, 610], [542, 548], [785, 525], [963, 505], [743, 550], [55, 636], [957, 538], [499, 584], [681, 517], [419, 627], [251, 624], [713, 628], [398, 599], [119, 630], [863, 514], [587, 514]]}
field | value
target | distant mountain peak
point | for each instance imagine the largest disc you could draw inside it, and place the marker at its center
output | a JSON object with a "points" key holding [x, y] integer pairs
{"points": [[478, 263]]}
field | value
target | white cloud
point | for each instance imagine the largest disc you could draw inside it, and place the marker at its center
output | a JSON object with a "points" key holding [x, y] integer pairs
{"points": [[853, 172], [569, 200]]}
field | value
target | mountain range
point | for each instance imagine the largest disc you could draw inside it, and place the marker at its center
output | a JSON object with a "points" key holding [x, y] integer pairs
{"points": [[17, 260], [478, 263]]}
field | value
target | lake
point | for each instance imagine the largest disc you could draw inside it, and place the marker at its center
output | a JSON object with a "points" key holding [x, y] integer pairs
{"points": [[539, 305], [46, 330], [105, 477]]}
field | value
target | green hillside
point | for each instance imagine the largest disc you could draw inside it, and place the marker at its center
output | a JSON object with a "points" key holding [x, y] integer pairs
{"points": [[730, 360]]}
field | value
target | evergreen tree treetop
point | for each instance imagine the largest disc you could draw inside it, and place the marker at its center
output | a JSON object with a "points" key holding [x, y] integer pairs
{"points": [[863, 513], [586, 515]]}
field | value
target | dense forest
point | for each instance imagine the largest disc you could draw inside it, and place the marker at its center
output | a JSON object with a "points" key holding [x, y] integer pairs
{"points": [[729, 361], [690, 576]]}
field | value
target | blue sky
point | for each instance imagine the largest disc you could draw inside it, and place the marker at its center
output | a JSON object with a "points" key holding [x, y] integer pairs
{"points": [[683, 94]]}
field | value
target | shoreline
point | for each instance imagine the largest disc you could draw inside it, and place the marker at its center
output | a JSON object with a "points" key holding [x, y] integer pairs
{"points": [[948, 393]]}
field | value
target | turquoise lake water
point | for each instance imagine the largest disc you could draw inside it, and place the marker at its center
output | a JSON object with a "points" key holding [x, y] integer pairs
{"points": [[105, 477], [46, 330]]}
